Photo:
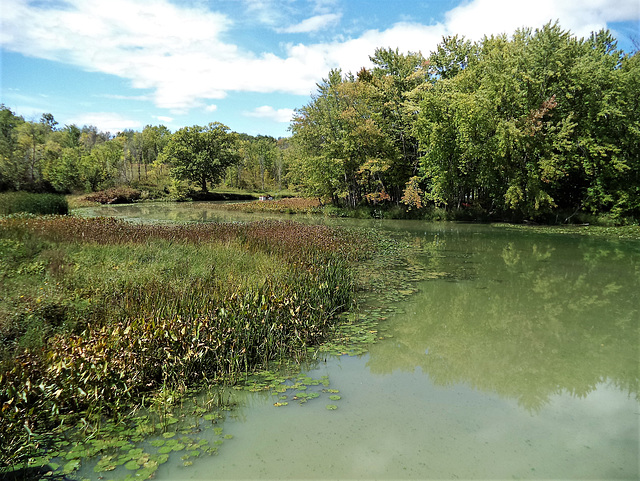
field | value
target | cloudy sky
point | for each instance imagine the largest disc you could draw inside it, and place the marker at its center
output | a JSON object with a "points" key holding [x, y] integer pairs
{"points": [[124, 64]]}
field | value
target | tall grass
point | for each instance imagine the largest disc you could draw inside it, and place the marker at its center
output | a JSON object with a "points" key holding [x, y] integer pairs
{"points": [[14, 202], [95, 313]]}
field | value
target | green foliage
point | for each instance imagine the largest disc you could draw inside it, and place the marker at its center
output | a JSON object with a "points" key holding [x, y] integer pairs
{"points": [[352, 141], [201, 154], [261, 164], [522, 128], [14, 202], [532, 124], [96, 313]]}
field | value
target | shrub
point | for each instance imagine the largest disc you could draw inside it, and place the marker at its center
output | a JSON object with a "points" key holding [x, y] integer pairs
{"points": [[117, 195], [14, 202]]}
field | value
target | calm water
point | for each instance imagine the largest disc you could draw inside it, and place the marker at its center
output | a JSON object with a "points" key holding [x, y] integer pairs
{"points": [[518, 357]]}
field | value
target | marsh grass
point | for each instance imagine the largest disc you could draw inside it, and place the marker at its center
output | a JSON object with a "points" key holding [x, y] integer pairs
{"points": [[293, 205], [14, 202], [97, 313]]}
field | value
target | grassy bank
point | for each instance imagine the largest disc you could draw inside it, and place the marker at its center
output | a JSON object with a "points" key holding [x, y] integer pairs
{"points": [[426, 213], [14, 202], [96, 313]]}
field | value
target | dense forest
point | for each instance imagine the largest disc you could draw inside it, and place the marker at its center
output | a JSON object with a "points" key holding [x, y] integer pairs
{"points": [[540, 125]]}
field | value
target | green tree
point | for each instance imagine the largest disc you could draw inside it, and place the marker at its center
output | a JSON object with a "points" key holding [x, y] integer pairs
{"points": [[533, 125], [100, 168], [201, 154], [31, 140], [453, 55], [344, 152], [397, 77], [9, 163]]}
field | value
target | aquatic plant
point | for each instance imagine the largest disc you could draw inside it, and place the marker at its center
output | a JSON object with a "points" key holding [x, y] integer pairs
{"points": [[123, 321], [294, 205]]}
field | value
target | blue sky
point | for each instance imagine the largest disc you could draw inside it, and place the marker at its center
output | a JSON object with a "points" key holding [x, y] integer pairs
{"points": [[124, 64]]}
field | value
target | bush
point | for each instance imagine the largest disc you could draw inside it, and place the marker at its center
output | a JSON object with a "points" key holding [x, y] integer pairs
{"points": [[14, 202], [117, 195]]}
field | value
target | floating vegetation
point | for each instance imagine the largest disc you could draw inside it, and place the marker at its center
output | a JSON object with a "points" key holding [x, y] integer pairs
{"points": [[117, 449], [332, 407], [631, 232], [294, 205]]}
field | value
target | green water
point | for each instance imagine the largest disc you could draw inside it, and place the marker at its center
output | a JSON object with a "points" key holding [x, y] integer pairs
{"points": [[518, 357]]}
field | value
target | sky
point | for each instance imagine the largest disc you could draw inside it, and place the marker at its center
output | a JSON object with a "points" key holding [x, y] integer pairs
{"points": [[124, 64]]}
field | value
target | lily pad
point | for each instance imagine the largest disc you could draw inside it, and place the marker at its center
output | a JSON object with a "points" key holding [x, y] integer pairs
{"points": [[105, 464], [132, 465], [135, 453], [335, 397], [71, 466], [145, 473], [332, 407]]}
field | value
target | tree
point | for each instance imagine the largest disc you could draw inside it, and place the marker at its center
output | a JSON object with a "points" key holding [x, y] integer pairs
{"points": [[453, 55], [9, 165], [48, 121], [344, 151], [534, 124], [100, 168], [396, 78], [31, 140], [201, 154]]}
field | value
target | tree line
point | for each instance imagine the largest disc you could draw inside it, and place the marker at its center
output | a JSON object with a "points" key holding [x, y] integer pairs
{"points": [[523, 126], [41, 156], [536, 124]]}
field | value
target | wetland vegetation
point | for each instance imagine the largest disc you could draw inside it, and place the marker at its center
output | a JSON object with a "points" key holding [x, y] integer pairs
{"points": [[99, 314]]}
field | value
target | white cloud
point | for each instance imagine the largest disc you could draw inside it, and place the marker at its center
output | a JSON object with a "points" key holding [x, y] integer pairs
{"points": [[164, 118], [313, 24], [268, 112], [140, 98], [211, 108], [106, 121], [268, 12], [480, 17]]}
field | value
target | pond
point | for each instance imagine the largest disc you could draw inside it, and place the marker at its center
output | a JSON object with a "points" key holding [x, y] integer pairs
{"points": [[516, 356]]}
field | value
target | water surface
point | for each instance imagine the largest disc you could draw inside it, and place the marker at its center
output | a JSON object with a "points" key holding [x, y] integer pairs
{"points": [[518, 357]]}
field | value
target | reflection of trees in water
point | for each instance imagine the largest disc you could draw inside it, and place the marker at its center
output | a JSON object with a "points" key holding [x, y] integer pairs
{"points": [[527, 317]]}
